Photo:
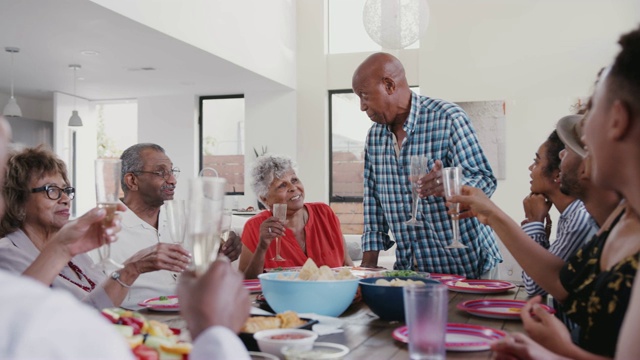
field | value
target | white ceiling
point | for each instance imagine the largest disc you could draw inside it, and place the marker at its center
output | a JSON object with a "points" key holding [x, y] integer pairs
{"points": [[51, 34]]}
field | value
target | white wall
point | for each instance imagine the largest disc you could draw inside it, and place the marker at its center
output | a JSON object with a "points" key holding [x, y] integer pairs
{"points": [[255, 34], [171, 122], [538, 56], [86, 144]]}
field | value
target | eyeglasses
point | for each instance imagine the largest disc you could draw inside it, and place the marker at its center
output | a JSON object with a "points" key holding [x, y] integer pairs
{"points": [[55, 192], [175, 172]]}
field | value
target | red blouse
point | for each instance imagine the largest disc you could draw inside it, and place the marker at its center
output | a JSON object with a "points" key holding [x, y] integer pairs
{"points": [[325, 244]]}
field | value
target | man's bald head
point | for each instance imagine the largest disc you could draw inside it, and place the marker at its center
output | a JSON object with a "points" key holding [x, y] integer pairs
{"points": [[381, 85], [379, 66]]}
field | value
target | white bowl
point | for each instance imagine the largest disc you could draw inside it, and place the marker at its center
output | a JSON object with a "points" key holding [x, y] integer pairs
{"points": [[319, 351], [256, 355], [303, 339]]}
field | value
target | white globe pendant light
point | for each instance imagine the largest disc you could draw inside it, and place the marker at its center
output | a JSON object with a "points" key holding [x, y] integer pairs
{"points": [[12, 108]]}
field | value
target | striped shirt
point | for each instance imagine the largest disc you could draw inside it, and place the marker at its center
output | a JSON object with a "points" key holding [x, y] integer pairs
{"points": [[575, 228], [440, 131]]}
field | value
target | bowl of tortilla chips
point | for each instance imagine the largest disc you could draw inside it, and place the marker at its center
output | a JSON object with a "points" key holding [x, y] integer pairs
{"points": [[311, 290]]}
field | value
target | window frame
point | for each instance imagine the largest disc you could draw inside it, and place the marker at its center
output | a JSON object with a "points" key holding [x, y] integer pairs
{"points": [[201, 101], [332, 197]]}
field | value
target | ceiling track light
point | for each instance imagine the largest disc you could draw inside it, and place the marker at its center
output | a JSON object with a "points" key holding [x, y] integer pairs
{"points": [[75, 119], [12, 108]]}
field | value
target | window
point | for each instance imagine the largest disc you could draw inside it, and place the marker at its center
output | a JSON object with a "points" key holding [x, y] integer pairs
{"points": [[349, 127], [222, 139], [112, 118], [346, 28]]}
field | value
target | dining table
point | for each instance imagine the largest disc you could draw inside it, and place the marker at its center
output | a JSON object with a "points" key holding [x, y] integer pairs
{"points": [[367, 336]]}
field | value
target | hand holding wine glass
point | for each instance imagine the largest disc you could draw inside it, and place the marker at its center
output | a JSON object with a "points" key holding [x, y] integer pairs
{"points": [[107, 191], [452, 181], [418, 168], [279, 211]]}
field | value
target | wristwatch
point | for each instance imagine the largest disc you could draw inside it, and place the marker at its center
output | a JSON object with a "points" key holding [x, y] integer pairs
{"points": [[116, 277]]}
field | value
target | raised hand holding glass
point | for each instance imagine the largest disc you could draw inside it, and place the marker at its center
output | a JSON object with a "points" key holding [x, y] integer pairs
{"points": [[452, 182], [107, 191]]}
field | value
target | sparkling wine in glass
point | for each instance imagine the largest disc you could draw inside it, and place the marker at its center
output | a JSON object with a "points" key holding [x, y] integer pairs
{"points": [[107, 192], [418, 168], [452, 181], [206, 203], [176, 219], [279, 211]]}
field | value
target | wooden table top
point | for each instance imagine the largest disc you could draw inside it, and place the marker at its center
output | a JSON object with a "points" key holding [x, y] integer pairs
{"points": [[366, 335]]}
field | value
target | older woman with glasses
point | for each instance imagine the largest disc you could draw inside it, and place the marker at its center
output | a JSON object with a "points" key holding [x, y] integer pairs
{"points": [[311, 230], [38, 197]]}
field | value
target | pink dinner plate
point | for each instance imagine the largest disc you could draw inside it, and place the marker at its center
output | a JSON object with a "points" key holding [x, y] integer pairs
{"points": [[445, 277], [252, 285], [460, 337], [479, 286], [170, 304], [497, 308]]}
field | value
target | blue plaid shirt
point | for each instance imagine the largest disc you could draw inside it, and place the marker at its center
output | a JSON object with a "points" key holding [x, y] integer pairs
{"points": [[440, 131]]}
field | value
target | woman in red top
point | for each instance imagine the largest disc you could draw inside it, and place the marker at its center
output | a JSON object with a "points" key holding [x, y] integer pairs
{"points": [[312, 230]]}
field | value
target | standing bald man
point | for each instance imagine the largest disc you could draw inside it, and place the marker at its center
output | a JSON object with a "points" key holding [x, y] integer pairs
{"points": [[407, 124]]}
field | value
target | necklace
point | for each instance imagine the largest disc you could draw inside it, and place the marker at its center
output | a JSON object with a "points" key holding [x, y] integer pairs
{"points": [[80, 274]]}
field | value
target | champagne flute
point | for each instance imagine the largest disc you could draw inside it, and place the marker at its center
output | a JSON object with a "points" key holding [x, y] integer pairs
{"points": [[226, 225], [452, 181], [279, 211], [107, 191], [176, 219], [417, 169], [206, 201]]}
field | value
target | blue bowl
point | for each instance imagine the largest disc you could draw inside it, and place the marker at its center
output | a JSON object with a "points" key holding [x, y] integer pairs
{"points": [[330, 298], [387, 301]]}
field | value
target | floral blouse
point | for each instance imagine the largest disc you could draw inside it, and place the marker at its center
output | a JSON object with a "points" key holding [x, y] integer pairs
{"points": [[598, 299]]}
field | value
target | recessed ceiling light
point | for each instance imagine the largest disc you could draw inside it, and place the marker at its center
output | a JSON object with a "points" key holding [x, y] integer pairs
{"points": [[143, 68], [89, 53]]}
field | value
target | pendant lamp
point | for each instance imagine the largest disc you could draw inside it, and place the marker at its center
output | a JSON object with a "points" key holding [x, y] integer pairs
{"points": [[12, 108], [74, 120]]}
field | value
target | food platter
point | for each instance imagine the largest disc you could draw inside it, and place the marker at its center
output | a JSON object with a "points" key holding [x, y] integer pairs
{"points": [[479, 286], [460, 337], [497, 308], [161, 303]]}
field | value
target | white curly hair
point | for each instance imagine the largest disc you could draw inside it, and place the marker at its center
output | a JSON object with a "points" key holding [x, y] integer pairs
{"points": [[267, 168]]}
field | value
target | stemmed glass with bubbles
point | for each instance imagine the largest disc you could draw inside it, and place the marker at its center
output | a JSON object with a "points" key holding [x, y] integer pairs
{"points": [[107, 191], [279, 211], [452, 181], [418, 168]]}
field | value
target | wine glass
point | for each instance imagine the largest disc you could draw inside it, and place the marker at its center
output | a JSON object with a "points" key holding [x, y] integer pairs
{"points": [[107, 192], [417, 169], [452, 181], [176, 219], [279, 211], [226, 225], [206, 201]]}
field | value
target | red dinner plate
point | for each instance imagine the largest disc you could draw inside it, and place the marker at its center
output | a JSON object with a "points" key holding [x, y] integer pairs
{"points": [[478, 286], [171, 304], [460, 337], [497, 308], [445, 277], [252, 285]]}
